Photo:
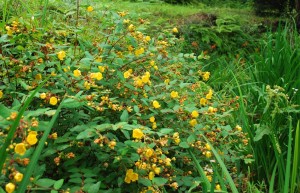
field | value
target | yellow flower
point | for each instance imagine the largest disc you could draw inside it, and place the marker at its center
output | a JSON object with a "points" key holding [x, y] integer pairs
{"points": [[54, 136], [156, 104], [209, 94], [205, 76], [147, 38], [193, 122], [101, 68], [218, 187], [152, 62], [67, 69], [87, 85], [122, 13], [10, 187], [174, 94], [209, 178], [61, 55], [53, 101], [99, 59], [126, 21], [207, 146], [149, 152], [77, 73], [137, 134], [9, 31], [89, 8], [195, 114], [239, 128], [210, 109], [177, 141], [31, 138], [157, 170], [1, 94], [38, 77], [167, 81], [175, 30], [152, 119], [131, 28], [145, 78], [208, 154], [18, 177], [203, 101], [130, 48], [53, 73], [127, 74], [20, 148], [154, 126], [112, 144], [139, 51], [151, 175], [131, 176], [97, 75], [13, 115]]}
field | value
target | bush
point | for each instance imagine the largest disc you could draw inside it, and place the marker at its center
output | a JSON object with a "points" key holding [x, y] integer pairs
{"points": [[117, 113]]}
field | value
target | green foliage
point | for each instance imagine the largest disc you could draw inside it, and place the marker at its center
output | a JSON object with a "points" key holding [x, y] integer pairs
{"points": [[277, 62], [216, 36], [273, 6]]}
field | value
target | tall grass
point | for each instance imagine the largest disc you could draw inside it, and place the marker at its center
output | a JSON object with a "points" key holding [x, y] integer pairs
{"points": [[266, 112], [278, 61]]}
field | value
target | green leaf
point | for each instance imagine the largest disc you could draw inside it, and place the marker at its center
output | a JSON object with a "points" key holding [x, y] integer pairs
{"points": [[71, 103], [124, 116], [136, 109], [2, 191], [50, 113], [45, 182], [159, 181], [261, 131], [86, 134], [53, 191], [184, 145], [5, 112], [166, 131], [104, 127], [76, 180], [126, 134], [36, 113], [145, 182], [94, 188], [191, 138]]}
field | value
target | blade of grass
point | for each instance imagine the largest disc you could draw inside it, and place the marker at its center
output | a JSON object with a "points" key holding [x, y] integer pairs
{"points": [[289, 159], [5, 10], [206, 184], [44, 13], [272, 181], [223, 166], [23, 186], [295, 170], [10, 135]]}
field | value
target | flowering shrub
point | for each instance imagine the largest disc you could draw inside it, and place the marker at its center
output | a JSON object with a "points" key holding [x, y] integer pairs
{"points": [[133, 113]]}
